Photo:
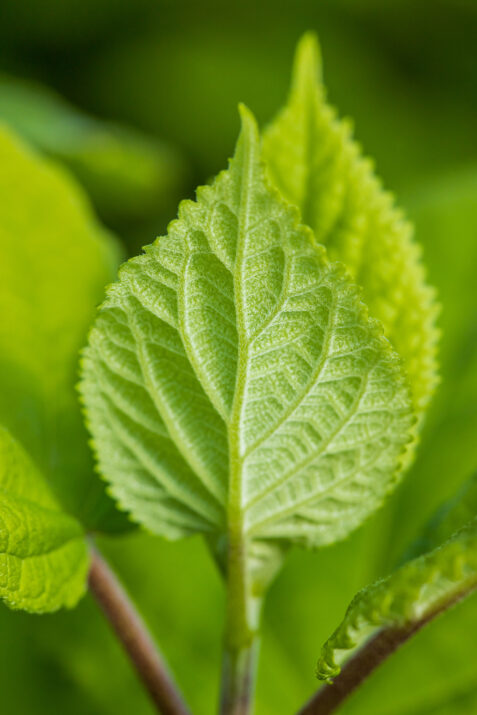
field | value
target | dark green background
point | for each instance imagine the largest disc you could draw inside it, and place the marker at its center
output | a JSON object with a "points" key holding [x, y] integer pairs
{"points": [[406, 71]]}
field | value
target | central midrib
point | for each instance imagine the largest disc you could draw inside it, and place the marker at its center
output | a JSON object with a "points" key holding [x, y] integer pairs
{"points": [[240, 620], [235, 507]]}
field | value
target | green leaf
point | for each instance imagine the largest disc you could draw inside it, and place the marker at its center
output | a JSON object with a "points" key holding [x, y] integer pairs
{"points": [[317, 166], [43, 554], [55, 263], [128, 175], [447, 455], [448, 450], [412, 594], [234, 380]]}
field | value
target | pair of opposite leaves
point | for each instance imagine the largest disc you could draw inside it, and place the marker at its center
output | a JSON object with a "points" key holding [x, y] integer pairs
{"points": [[234, 381]]}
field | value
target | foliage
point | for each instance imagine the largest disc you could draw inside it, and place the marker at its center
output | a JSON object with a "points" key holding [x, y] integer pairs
{"points": [[37, 402], [55, 261], [319, 168], [43, 556], [412, 594], [129, 176], [234, 344]]}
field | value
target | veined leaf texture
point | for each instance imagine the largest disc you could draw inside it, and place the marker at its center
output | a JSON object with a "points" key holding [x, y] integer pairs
{"points": [[423, 586], [43, 554], [318, 166], [234, 379]]}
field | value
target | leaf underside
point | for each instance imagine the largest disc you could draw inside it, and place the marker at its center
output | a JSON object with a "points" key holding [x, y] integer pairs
{"points": [[43, 554], [318, 167], [233, 372], [418, 589]]}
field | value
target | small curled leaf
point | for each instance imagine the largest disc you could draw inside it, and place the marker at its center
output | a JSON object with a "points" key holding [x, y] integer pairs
{"points": [[411, 596]]}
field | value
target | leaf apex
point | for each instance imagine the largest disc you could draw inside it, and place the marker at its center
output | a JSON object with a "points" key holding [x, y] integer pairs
{"points": [[307, 66], [249, 126]]}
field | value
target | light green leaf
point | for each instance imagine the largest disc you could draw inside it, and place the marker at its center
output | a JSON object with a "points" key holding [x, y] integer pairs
{"points": [[316, 164], [43, 554], [412, 594], [128, 175], [233, 379], [55, 261]]}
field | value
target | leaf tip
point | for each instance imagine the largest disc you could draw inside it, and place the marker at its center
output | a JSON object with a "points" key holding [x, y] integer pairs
{"points": [[248, 122], [326, 669], [307, 64], [248, 141]]}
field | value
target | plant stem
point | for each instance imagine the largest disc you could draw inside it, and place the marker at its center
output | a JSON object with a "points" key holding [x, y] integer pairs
{"points": [[329, 697], [241, 633], [238, 680], [134, 637]]}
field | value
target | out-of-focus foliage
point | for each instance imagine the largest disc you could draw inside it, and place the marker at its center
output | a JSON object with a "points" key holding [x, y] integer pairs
{"points": [[445, 217], [55, 260], [129, 177], [405, 70], [43, 555], [453, 514]]}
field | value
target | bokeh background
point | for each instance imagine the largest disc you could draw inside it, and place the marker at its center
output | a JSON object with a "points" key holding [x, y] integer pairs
{"points": [[145, 109]]}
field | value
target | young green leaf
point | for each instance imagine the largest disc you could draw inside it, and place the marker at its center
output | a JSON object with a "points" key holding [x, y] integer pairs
{"points": [[55, 261], [317, 166], [234, 381], [406, 599], [43, 554]]}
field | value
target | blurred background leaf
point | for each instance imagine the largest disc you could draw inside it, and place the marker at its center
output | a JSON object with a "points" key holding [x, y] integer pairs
{"points": [[405, 70], [55, 259], [131, 178]]}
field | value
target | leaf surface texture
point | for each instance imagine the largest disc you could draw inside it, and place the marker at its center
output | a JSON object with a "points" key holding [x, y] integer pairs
{"points": [[415, 591], [316, 164], [43, 555], [233, 375]]}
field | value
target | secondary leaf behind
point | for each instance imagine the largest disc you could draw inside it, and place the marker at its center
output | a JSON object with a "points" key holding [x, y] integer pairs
{"points": [[318, 167]]}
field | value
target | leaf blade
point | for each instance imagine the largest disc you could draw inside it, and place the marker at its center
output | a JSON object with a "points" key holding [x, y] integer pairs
{"points": [[55, 263], [318, 166], [181, 326], [43, 554], [413, 594]]}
